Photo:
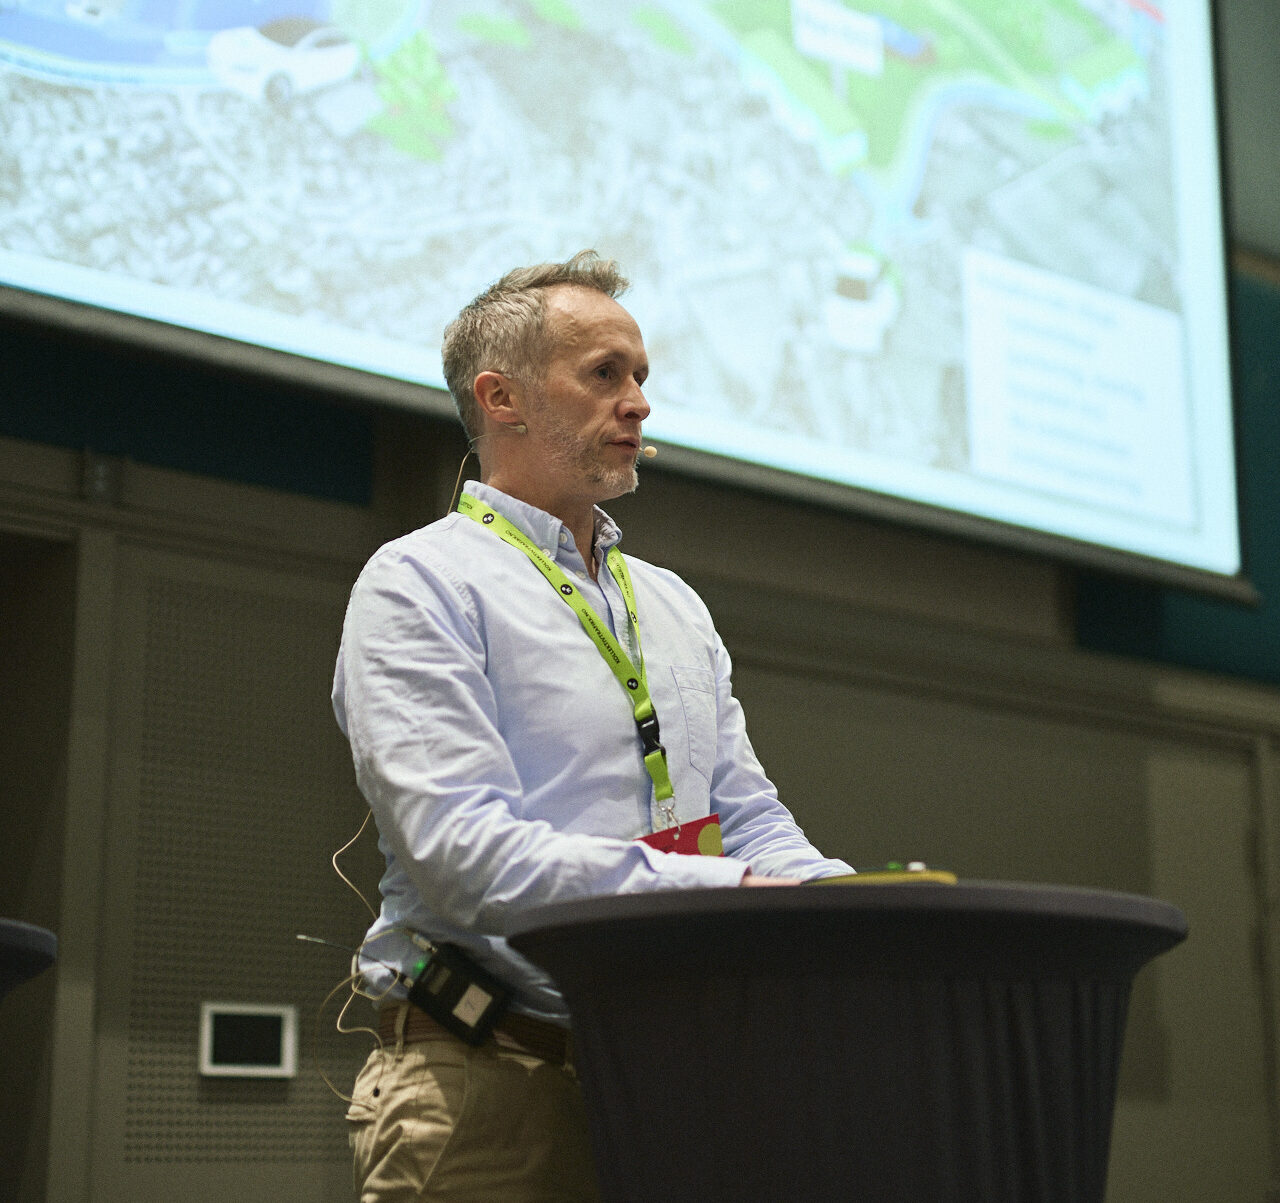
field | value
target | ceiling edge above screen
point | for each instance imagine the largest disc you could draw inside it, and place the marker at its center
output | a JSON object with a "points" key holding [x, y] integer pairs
{"points": [[948, 350]]}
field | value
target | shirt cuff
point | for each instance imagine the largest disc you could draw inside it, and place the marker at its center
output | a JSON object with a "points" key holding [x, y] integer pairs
{"points": [[680, 872]]}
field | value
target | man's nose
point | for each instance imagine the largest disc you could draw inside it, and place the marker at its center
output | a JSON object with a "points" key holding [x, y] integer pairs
{"points": [[634, 403]]}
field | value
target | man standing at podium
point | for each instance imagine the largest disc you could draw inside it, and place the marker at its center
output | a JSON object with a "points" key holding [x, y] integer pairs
{"points": [[533, 718]]}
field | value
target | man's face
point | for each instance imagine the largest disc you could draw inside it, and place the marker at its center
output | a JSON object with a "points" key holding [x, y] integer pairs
{"points": [[584, 418]]}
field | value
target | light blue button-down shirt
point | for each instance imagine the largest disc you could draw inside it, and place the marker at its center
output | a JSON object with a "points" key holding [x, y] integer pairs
{"points": [[500, 756]]}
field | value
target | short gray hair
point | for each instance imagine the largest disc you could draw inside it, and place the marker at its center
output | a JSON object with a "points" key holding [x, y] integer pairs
{"points": [[504, 328]]}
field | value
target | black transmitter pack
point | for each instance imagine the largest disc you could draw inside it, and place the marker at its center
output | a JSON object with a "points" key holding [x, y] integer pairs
{"points": [[459, 995]]}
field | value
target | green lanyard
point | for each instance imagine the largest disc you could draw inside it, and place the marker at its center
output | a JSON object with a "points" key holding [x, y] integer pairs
{"points": [[630, 677]]}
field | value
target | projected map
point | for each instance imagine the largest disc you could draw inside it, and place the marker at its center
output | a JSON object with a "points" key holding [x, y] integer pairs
{"points": [[930, 247]]}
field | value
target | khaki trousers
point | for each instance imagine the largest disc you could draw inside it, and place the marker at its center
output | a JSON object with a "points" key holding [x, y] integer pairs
{"points": [[438, 1119]]}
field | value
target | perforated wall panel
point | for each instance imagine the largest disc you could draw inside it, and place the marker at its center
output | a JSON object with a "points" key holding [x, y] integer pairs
{"points": [[244, 789]]}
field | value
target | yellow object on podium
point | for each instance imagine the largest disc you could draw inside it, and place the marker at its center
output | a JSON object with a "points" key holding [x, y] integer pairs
{"points": [[891, 874]]}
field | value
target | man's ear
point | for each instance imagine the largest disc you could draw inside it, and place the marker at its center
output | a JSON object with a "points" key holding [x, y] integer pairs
{"points": [[498, 397]]}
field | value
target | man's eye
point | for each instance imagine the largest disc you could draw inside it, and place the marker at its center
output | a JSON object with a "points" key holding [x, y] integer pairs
{"points": [[605, 372]]}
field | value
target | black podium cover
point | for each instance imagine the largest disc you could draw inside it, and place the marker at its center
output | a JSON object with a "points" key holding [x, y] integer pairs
{"points": [[25, 950], [866, 1042]]}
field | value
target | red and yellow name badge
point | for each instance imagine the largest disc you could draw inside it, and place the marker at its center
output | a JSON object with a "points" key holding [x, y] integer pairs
{"points": [[698, 837]]}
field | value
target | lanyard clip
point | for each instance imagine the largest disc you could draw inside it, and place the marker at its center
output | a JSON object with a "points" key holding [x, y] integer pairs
{"points": [[650, 735]]}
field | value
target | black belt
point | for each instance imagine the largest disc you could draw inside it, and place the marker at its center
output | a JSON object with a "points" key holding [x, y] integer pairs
{"points": [[548, 1041]]}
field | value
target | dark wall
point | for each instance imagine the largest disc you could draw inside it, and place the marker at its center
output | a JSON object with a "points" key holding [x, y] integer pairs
{"points": [[120, 401]]}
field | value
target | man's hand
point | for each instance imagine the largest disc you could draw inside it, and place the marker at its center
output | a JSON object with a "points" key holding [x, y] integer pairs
{"points": [[751, 879]]}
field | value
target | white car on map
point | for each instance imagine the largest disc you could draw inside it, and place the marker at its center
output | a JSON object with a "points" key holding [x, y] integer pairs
{"points": [[281, 59], [864, 303]]}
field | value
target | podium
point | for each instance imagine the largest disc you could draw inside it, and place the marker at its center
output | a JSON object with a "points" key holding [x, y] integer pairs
{"points": [[922, 1042]]}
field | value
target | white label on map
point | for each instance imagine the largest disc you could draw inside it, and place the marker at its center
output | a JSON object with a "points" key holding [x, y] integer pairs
{"points": [[1073, 391], [827, 30]]}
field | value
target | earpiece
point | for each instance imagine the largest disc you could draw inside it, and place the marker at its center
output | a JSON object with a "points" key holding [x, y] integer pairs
{"points": [[518, 428], [649, 452]]}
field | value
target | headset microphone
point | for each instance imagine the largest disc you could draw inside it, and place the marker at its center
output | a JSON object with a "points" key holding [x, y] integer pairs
{"points": [[649, 452]]}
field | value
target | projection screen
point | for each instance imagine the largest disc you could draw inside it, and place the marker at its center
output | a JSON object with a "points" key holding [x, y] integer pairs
{"points": [[954, 261]]}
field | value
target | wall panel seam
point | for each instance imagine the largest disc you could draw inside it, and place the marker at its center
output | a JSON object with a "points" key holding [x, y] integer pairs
{"points": [[1044, 695]]}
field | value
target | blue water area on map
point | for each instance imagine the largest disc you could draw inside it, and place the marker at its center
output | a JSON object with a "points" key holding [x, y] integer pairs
{"points": [[157, 33]]}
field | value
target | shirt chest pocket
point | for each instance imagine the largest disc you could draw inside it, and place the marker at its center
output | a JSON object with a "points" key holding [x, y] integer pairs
{"points": [[696, 689]]}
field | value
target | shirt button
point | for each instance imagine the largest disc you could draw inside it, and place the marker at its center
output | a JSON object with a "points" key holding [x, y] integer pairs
{"points": [[564, 537], [582, 576], [546, 551]]}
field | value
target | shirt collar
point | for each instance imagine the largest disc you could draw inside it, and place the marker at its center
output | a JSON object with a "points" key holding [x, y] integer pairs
{"points": [[543, 528]]}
